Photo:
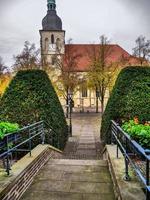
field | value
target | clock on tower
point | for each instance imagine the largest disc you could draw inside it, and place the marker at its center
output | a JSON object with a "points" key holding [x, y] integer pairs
{"points": [[52, 35], [52, 47]]}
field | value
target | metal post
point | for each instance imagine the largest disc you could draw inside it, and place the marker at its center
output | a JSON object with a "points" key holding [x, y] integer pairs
{"points": [[117, 144], [126, 177], [67, 108], [30, 144], [111, 139], [147, 195], [7, 158], [82, 105], [70, 120], [58, 143], [147, 179], [43, 133], [70, 111], [117, 151]]}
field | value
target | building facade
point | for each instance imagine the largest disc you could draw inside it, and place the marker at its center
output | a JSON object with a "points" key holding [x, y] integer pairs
{"points": [[52, 38]]}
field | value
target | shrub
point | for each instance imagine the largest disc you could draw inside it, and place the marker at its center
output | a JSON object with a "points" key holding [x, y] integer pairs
{"points": [[138, 132], [130, 97], [6, 127], [31, 97]]}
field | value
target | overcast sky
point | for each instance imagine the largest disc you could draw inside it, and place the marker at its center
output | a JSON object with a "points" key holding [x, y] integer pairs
{"points": [[84, 21]]}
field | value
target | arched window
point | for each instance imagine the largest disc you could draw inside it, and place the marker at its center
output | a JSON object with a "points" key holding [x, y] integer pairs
{"points": [[58, 44], [58, 41], [52, 39], [46, 44]]}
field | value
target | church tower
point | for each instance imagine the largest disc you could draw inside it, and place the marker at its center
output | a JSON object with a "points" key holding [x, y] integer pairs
{"points": [[52, 35]]}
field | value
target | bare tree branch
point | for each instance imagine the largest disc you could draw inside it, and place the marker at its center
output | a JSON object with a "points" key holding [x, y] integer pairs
{"points": [[67, 76], [142, 49], [3, 68], [28, 58]]}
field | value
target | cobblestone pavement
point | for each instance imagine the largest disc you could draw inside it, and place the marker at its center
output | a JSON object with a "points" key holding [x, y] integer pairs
{"points": [[85, 140]]}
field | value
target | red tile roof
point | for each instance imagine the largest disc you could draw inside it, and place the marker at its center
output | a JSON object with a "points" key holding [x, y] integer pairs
{"points": [[85, 52]]}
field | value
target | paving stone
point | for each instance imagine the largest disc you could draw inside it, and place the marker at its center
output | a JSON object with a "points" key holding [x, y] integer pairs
{"points": [[86, 142], [88, 187], [89, 152], [100, 177], [78, 162], [76, 168], [86, 147], [91, 137], [98, 197], [42, 195], [55, 175], [47, 185]]}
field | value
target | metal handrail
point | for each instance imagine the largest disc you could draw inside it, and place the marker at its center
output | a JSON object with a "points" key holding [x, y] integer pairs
{"points": [[55, 135], [26, 135], [131, 150]]}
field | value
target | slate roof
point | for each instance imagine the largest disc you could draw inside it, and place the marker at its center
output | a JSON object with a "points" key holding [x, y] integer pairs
{"points": [[52, 21]]}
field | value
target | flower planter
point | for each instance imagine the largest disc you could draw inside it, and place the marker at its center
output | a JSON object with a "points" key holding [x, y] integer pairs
{"points": [[138, 132]]}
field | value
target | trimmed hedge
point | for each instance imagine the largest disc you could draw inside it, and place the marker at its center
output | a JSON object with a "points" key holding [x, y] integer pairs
{"points": [[31, 97], [130, 97]]}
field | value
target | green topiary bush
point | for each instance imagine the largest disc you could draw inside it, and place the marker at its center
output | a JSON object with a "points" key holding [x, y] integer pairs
{"points": [[130, 97], [31, 97]]}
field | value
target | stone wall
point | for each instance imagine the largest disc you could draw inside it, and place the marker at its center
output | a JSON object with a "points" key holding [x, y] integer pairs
{"points": [[24, 171], [123, 189]]}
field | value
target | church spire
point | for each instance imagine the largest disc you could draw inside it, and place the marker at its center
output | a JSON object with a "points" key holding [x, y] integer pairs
{"points": [[51, 4]]}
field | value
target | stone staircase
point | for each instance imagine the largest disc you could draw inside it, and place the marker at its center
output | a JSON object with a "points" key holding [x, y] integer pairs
{"points": [[79, 174], [72, 180]]}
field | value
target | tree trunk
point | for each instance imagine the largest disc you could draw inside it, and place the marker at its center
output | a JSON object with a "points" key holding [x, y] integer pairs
{"points": [[96, 104], [67, 104], [102, 105]]}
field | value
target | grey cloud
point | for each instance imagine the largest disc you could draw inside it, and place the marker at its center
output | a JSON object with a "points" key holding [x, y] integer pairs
{"points": [[6, 5], [140, 10], [136, 6], [143, 4]]}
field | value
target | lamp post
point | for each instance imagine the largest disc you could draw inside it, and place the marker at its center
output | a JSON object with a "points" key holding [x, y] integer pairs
{"points": [[70, 101], [97, 95]]}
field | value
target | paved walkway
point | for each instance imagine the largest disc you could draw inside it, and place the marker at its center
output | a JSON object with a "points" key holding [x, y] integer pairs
{"points": [[85, 143], [83, 177]]}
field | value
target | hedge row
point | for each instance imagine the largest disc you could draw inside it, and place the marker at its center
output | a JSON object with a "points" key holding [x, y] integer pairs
{"points": [[31, 97], [130, 97]]}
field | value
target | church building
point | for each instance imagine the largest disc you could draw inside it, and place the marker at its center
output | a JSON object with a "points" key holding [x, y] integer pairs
{"points": [[53, 44]]}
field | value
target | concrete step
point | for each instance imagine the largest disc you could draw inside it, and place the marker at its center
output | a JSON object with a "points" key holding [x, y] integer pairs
{"points": [[67, 179], [101, 163], [78, 156]]}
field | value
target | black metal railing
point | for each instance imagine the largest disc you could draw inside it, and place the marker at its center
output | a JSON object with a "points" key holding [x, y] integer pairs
{"points": [[21, 141], [57, 137], [134, 155]]}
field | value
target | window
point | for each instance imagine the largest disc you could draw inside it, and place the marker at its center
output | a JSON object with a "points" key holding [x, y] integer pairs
{"points": [[97, 93], [84, 92], [46, 43], [52, 39], [58, 43]]}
